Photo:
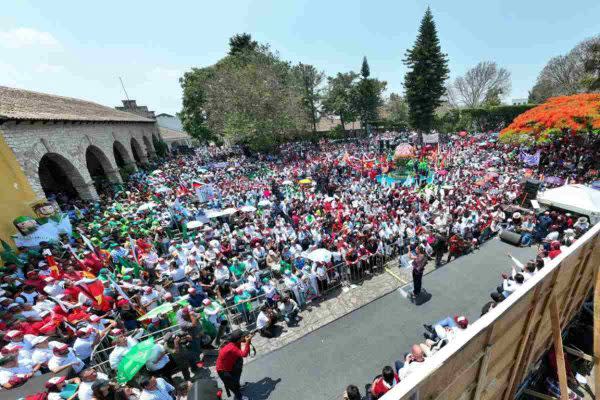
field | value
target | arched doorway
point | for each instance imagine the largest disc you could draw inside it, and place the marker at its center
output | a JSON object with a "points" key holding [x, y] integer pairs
{"points": [[98, 165], [136, 149], [149, 149], [120, 153], [59, 178]]}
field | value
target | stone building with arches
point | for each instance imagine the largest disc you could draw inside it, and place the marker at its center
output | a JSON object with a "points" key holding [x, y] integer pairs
{"points": [[68, 145]]}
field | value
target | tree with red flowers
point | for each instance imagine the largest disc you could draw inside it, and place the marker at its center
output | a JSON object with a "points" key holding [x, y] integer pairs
{"points": [[576, 114]]}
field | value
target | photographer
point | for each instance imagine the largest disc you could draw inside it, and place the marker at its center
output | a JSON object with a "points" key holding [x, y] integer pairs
{"points": [[230, 362], [190, 324], [179, 349]]}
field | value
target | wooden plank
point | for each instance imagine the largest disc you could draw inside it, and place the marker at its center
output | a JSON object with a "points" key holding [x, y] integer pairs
{"points": [[579, 353], [539, 395], [558, 349], [485, 362], [597, 330], [537, 332], [576, 282], [524, 340]]}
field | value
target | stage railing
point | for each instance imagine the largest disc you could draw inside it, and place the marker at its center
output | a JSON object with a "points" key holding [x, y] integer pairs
{"points": [[499, 350]]}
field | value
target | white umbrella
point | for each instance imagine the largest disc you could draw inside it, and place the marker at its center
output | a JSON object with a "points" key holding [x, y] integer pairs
{"points": [[287, 182], [231, 169], [247, 209], [320, 255], [156, 172], [194, 225], [146, 206], [264, 203], [163, 189]]}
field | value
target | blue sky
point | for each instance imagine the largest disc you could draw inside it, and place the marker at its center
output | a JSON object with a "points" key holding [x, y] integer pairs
{"points": [[80, 49]]}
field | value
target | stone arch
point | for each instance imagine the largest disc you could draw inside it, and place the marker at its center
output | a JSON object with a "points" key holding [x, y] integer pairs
{"points": [[100, 167], [149, 147], [58, 175], [123, 158], [137, 151]]}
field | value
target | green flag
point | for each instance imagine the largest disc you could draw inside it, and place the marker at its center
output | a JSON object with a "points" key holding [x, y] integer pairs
{"points": [[184, 232], [134, 360]]}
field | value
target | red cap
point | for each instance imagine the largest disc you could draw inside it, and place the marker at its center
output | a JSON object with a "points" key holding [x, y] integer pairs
{"points": [[122, 302], [461, 321]]}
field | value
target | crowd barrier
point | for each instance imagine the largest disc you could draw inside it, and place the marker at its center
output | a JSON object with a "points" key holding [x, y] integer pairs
{"points": [[499, 350]]}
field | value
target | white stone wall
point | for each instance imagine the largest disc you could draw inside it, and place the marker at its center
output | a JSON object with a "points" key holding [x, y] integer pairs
{"points": [[30, 141]]}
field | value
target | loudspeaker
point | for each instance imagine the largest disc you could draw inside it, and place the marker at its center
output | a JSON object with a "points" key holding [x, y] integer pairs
{"points": [[532, 186], [204, 389], [510, 237]]}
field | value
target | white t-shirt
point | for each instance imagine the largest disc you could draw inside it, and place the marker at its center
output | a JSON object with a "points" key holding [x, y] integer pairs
{"points": [[160, 393], [56, 362], [155, 363], [176, 274], [119, 352], [41, 356], [262, 320], [85, 388], [84, 346], [7, 373]]}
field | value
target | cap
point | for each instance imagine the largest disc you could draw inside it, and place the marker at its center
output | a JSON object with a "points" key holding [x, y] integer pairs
{"points": [[61, 347], [206, 302], [191, 290], [461, 321], [13, 334], [38, 339], [94, 318], [55, 380], [10, 348], [116, 332]]}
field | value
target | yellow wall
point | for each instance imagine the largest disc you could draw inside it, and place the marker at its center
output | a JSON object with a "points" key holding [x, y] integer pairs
{"points": [[16, 195]]}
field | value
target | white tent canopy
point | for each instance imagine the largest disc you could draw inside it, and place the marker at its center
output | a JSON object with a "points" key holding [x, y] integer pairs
{"points": [[580, 199]]}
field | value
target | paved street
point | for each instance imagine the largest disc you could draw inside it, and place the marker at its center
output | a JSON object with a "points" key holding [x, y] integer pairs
{"points": [[354, 348]]}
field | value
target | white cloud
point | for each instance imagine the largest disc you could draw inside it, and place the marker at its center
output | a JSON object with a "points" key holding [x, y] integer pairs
{"points": [[48, 68], [27, 37]]}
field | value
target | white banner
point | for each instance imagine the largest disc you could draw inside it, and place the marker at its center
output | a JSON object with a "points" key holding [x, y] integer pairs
{"points": [[45, 233], [431, 138]]}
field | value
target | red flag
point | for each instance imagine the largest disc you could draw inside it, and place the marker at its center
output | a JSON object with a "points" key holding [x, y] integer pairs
{"points": [[196, 184], [55, 270], [93, 288]]}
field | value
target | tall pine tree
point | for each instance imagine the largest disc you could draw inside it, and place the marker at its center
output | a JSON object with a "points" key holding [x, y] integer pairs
{"points": [[424, 82], [366, 98]]}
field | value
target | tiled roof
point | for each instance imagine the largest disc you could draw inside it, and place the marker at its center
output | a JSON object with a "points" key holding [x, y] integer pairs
{"points": [[18, 104], [170, 134]]}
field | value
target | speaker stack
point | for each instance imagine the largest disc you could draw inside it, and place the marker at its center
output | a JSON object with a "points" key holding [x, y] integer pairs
{"points": [[510, 237], [530, 189]]}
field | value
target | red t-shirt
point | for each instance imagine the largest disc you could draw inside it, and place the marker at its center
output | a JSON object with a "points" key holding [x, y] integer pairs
{"points": [[229, 355], [380, 387]]}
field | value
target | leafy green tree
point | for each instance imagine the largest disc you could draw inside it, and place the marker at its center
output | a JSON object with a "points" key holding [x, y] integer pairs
{"points": [[241, 43], [251, 98], [367, 96], [397, 109], [338, 97], [428, 70], [193, 114], [310, 80]]}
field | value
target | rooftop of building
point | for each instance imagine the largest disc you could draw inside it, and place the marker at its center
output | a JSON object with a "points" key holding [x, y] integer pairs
{"points": [[20, 104]]}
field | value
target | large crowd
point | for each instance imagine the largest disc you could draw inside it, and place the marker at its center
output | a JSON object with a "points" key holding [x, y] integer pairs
{"points": [[195, 245]]}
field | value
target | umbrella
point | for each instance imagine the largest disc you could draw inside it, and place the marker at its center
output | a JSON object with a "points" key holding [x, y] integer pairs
{"points": [[305, 181], [247, 209], [264, 203], [231, 169], [146, 206], [462, 133], [194, 225], [404, 150], [492, 169], [156, 172], [319, 255], [287, 182], [163, 189], [157, 311], [134, 360]]}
